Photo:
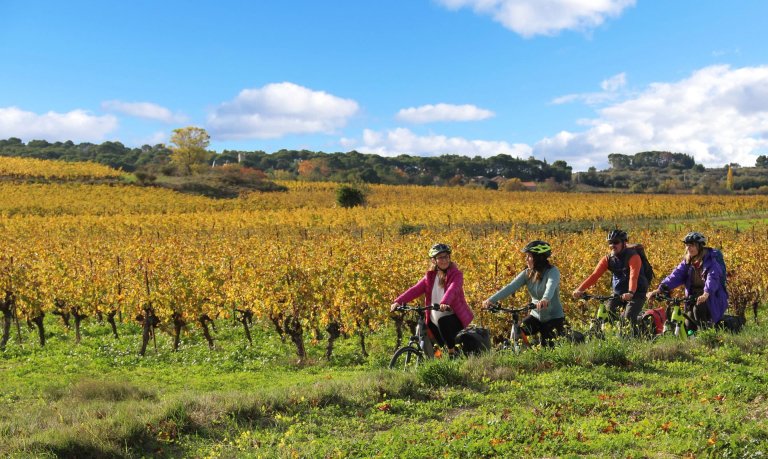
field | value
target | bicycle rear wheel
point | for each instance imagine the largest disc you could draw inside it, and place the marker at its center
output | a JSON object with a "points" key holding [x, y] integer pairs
{"points": [[406, 359]]}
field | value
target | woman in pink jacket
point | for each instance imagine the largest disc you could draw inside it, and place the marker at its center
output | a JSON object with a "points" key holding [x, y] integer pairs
{"points": [[444, 285]]}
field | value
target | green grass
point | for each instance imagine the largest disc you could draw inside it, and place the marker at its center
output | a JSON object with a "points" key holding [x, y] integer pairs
{"points": [[702, 397], [741, 222]]}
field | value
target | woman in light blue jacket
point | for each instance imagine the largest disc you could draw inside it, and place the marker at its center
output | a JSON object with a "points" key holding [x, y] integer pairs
{"points": [[543, 283]]}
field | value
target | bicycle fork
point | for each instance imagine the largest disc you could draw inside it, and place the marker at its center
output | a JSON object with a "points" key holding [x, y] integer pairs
{"points": [[424, 341], [676, 322], [600, 320]]}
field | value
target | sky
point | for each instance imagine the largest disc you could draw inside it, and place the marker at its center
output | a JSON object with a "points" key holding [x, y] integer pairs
{"points": [[573, 80]]}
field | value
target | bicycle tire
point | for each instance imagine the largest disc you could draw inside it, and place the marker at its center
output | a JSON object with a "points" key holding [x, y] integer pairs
{"points": [[406, 359]]}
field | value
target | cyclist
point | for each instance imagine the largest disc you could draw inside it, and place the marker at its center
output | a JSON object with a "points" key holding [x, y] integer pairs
{"points": [[543, 283], [443, 284], [701, 273], [628, 281]]}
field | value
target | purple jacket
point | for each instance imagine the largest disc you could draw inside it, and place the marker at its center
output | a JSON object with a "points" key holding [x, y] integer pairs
{"points": [[454, 294], [712, 273]]}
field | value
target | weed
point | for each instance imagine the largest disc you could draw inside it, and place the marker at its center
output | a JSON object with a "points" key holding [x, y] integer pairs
{"points": [[440, 373]]}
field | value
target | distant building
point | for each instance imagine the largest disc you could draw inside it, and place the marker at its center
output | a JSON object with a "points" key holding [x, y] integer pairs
{"points": [[240, 156], [480, 179], [499, 179], [530, 186]]}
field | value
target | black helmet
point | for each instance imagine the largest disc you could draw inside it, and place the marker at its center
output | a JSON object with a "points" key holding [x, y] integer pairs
{"points": [[438, 249], [617, 234], [695, 236], [538, 248]]}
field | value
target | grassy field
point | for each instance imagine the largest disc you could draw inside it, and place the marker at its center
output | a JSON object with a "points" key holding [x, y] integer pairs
{"points": [[699, 398]]}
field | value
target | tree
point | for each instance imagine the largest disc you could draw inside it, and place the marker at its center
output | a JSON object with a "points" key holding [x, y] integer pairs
{"points": [[729, 180], [348, 196], [189, 146], [514, 184], [762, 161]]}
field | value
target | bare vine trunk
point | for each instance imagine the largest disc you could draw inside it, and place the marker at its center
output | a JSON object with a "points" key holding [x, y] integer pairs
{"points": [[334, 332], [64, 317], [38, 321], [111, 320], [178, 324], [361, 331], [204, 319], [362, 344], [246, 317], [411, 326], [399, 320], [296, 332], [276, 320], [78, 319], [148, 321], [6, 306]]}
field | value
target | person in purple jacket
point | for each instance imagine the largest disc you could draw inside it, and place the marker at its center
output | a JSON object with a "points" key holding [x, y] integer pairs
{"points": [[444, 285], [700, 272]]}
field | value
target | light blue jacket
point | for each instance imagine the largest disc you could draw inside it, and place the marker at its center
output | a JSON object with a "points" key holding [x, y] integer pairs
{"points": [[547, 289]]}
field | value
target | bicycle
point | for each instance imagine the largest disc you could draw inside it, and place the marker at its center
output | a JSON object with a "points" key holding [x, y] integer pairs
{"points": [[419, 347], [604, 317], [517, 337], [675, 323]]}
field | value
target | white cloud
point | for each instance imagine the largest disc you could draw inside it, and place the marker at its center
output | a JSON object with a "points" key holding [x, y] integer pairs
{"points": [[349, 144], [145, 110], [278, 109], [77, 125], [544, 17], [615, 82], [402, 141], [719, 115], [442, 112], [610, 86], [154, 139]]}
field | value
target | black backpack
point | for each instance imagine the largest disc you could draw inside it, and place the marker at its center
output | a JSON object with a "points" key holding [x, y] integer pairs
{"points": [[733, 324], [474, 340], [640, 250]]}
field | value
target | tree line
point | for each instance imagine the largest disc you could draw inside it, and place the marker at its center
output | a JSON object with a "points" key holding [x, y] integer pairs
{"points": [[303, 164], [649, 170]]}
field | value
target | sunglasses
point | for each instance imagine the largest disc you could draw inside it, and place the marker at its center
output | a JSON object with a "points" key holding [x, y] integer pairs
{"points": [[614, 242]]}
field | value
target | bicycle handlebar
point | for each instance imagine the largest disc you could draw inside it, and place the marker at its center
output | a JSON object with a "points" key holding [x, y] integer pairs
{"points": [[527, 307], [405, 308], [673, 300], [587, 296]]}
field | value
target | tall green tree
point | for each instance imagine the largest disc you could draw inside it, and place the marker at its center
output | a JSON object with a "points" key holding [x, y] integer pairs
{"points": [[188, 147]]}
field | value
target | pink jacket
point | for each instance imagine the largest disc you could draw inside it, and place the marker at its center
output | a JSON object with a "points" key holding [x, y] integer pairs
{"points": [[454, 293]]}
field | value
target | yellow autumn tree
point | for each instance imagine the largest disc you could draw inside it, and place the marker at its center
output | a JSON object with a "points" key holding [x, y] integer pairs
{"points": [[729, 180], [188, 147]]}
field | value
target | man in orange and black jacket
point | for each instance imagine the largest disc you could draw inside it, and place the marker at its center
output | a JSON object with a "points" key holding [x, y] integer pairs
{"points": [[629, 281]]}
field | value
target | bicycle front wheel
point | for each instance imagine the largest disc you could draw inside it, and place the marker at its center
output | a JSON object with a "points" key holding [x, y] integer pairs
{"points": [[406, 359]]}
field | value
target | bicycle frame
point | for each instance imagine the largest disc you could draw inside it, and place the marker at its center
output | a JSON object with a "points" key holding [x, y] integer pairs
{"points": [[676, 321], [517, 338], [421, 339], [603, 316]]}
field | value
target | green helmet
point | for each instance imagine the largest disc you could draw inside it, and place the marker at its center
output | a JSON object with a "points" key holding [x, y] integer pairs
{"points": [[538, 248], [437, 249]]}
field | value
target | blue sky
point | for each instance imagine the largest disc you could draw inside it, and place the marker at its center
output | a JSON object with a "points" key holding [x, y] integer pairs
{"points": [[557, 79]]}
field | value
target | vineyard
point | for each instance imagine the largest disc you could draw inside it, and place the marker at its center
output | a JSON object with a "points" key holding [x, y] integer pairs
{"points": [[306, 268], [141, 322], [54, 170]]}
